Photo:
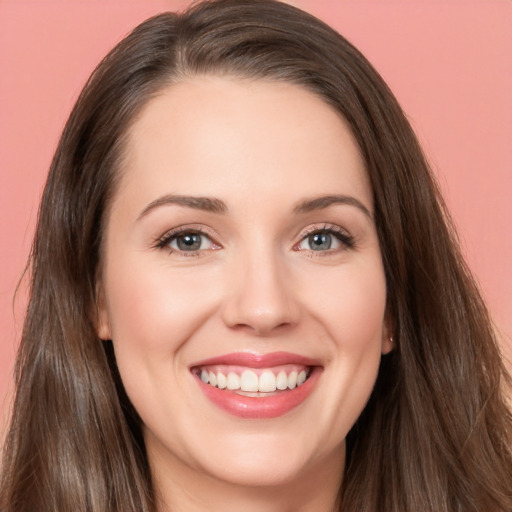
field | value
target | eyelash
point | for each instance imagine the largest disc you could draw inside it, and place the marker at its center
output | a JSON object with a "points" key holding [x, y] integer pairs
{"points": [[167, 238], [348, 241]]}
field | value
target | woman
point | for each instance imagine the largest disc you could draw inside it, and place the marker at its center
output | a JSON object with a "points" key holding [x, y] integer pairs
{"points": [[246, 292]]}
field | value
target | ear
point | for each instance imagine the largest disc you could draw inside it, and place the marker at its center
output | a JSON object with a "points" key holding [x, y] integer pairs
{"points": [[387, 336], [387, 344], [101, 321]]}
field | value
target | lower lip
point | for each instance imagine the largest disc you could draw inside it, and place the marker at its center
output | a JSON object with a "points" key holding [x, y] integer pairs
{"points": [[264, 407]]}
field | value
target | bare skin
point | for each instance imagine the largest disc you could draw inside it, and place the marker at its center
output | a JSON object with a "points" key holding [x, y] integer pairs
{"points": [[243, 223]]}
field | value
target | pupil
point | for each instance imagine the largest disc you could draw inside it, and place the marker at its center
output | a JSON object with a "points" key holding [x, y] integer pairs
{"points": [[320, 241], [189, 242]]}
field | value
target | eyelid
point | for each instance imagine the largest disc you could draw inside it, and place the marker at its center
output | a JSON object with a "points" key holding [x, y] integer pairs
{"points": [[346, 239], [162, 242]]}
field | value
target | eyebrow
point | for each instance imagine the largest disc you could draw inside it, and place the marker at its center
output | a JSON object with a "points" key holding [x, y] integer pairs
{"points": [[207, 204], [214, 205], [319, 203]]}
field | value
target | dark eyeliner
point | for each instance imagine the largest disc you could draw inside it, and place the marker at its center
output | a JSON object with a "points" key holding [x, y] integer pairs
{"points": [[343, 236], [163, 241]]}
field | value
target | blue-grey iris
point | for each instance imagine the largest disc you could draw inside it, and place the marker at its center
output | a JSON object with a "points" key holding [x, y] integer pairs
{"points": [[320, 241], [189, 242]]}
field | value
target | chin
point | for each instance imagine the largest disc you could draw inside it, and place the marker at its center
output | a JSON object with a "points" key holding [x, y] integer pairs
{"points": [[265, 470], [276, 458]]}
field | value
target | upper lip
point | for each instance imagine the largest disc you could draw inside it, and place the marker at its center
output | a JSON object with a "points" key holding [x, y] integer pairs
{"points": [[254, 360]]}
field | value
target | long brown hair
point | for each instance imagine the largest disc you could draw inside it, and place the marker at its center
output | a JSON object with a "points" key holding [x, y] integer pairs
{"points": [[436, 434]]}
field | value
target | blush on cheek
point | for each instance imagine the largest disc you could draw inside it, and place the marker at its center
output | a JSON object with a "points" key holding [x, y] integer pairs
{"points": [[153, 304], [354, 311]]}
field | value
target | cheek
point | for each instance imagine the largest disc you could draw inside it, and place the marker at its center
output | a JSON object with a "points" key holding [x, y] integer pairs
{"points": [[351, 306], [152, 318], [351, 311], [150, 308], [154, 311]]}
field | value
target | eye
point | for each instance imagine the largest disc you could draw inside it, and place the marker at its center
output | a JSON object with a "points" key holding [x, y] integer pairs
{"points": [[190, 242], [320, 241], [325, 239], [186, 241]]}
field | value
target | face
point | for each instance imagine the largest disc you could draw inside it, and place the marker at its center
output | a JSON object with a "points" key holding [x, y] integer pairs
{"points": [[242, 282]]}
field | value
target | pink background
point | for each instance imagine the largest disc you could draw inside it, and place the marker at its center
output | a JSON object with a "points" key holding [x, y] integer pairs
{"points": [[449, 62]]}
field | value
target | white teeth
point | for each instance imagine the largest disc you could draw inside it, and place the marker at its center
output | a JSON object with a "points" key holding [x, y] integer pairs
{"points": [[292, 380], [221, 381], [267, 382], [282, 381], [249, 381], [233, 381]]}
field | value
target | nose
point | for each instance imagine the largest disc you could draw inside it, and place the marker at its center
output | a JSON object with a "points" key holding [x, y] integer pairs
{"points": [[260, 298]]}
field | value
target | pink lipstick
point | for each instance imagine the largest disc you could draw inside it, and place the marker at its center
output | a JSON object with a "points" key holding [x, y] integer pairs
{"points": [[255, 386]]}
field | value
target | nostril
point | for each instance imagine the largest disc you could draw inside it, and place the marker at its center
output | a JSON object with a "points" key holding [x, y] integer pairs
{"points": [[261, 326]]}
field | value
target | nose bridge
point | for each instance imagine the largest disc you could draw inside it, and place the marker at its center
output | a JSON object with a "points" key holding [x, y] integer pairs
{"points": [[260, 296]]}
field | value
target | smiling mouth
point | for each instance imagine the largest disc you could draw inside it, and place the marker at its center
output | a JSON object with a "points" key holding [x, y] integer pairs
{"points": [[254, 382], [257, 386]]}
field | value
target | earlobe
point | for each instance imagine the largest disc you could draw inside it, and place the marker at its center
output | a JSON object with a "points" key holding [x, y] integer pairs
{"points": [[388, 328], [102, 322], [103, 326], [387, 344]]}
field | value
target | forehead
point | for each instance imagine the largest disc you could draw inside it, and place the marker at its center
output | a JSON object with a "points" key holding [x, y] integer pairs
{"points": [[217, 136]]}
